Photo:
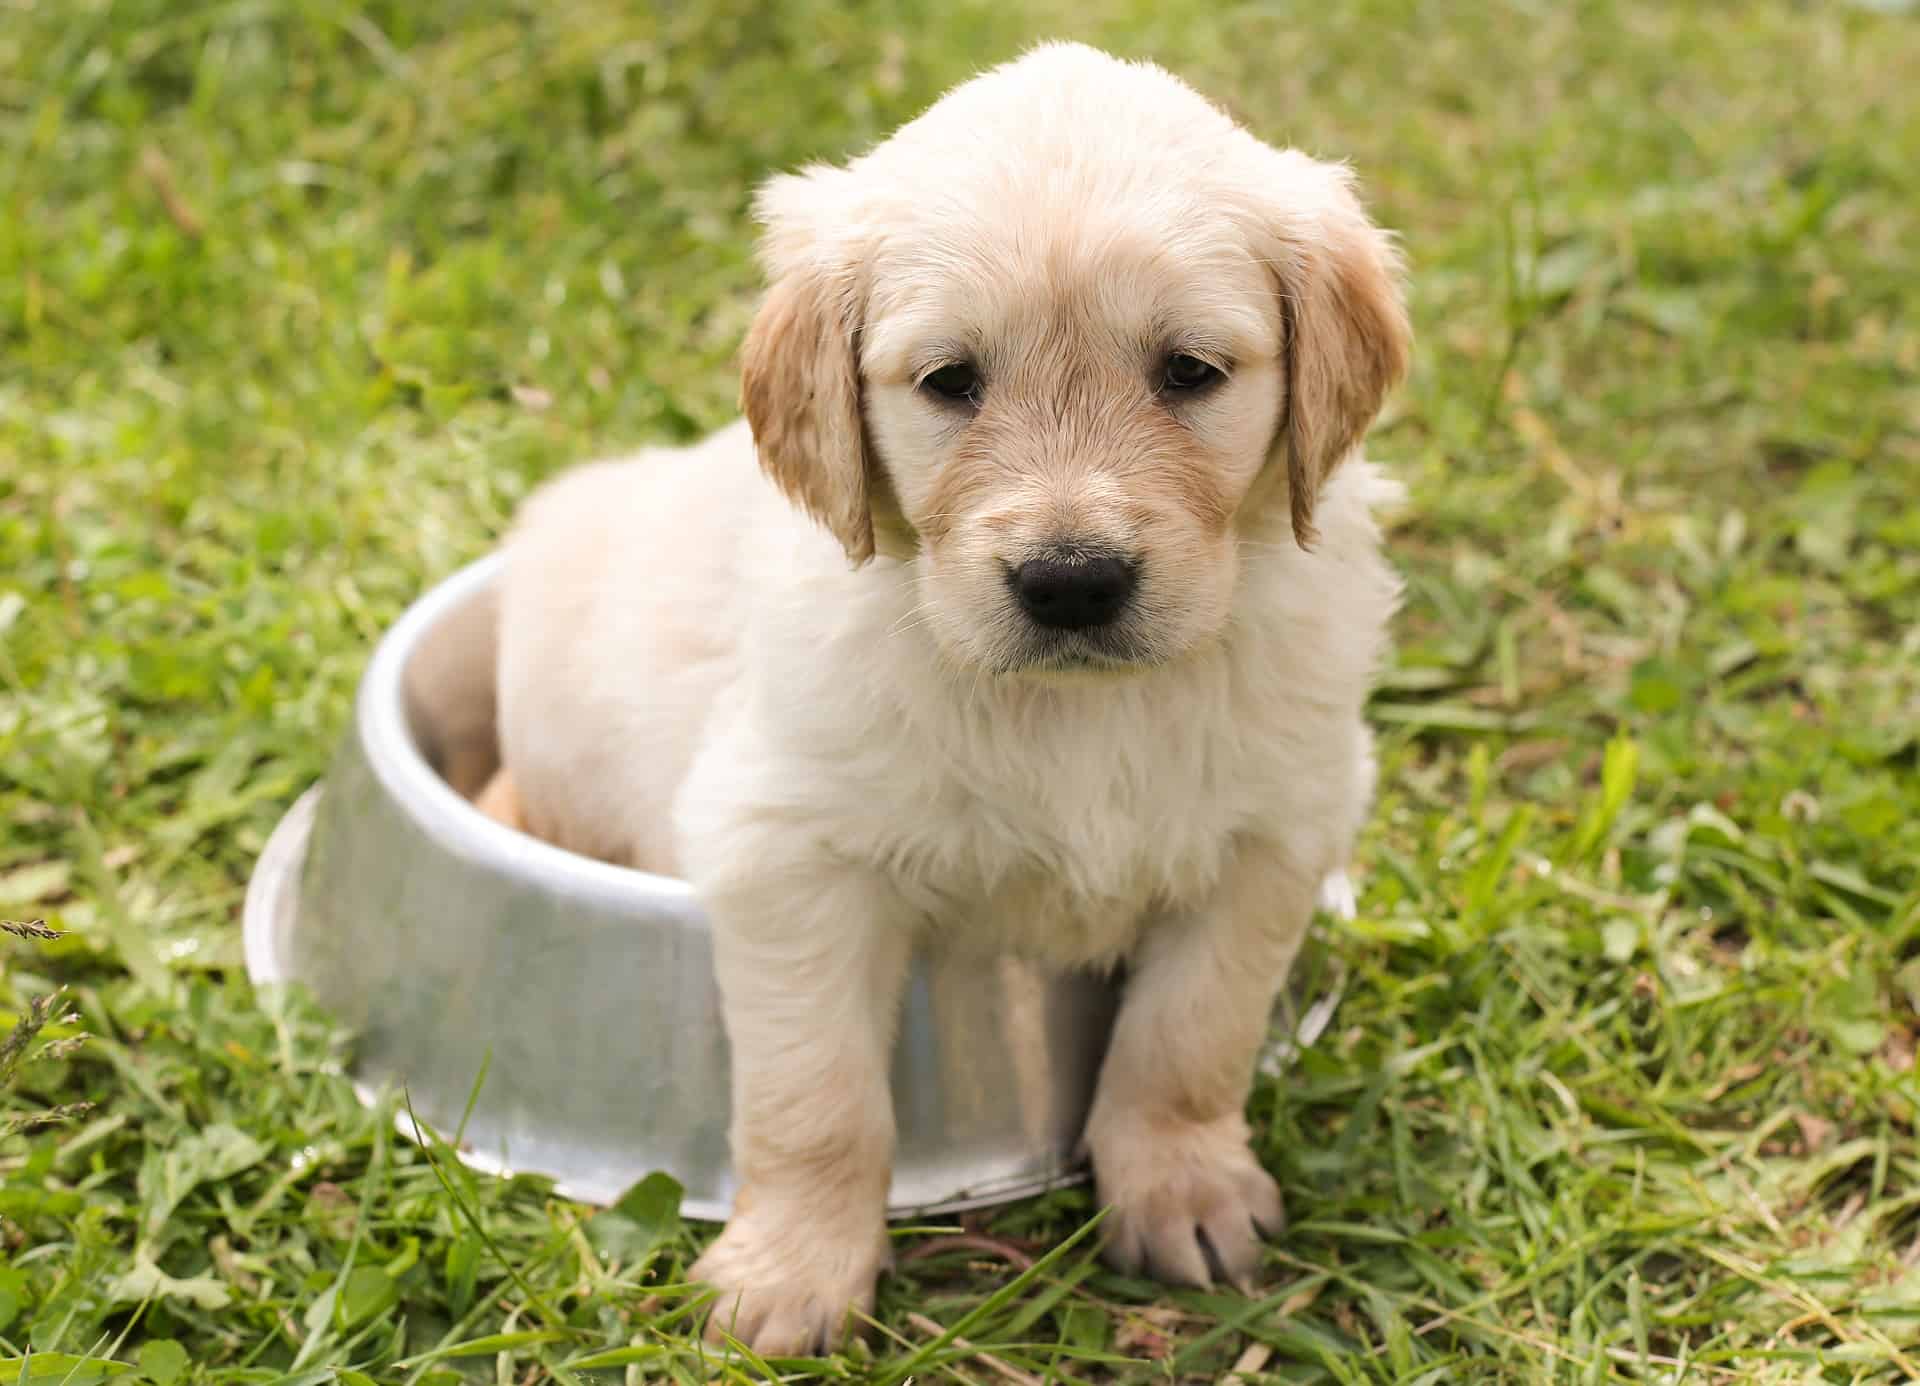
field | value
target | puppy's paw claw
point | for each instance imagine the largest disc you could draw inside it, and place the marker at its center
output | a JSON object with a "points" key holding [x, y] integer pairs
{"points": [[790, 1287], [1191, 1207]]}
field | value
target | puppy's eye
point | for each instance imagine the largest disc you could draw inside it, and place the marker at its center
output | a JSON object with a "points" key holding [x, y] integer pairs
{"points": [[958, 381], [1189, 373]]}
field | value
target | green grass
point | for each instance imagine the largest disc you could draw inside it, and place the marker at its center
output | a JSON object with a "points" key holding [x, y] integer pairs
{"points": [[298, 297]]}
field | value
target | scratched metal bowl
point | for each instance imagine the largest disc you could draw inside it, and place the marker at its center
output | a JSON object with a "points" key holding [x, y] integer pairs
{"points": [[450, 944]]}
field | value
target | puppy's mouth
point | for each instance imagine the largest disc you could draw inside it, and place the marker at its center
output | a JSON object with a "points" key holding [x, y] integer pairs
{"points": [[1104, 651]]}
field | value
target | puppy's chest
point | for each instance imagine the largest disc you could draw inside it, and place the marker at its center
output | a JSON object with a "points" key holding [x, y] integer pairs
{"points": [[1064, 847]]}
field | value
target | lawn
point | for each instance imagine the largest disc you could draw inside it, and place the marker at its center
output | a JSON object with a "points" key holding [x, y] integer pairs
{"points": [[299, 297]]}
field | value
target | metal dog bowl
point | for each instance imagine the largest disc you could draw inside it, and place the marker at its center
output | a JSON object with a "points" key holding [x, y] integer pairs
{"points": [[448, 942]]}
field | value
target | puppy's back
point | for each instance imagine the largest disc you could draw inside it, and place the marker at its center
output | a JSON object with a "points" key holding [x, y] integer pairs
{"points": [[619, 621]]}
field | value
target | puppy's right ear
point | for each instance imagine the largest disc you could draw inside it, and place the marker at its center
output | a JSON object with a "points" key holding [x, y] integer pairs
{"points": [[800, 372]]}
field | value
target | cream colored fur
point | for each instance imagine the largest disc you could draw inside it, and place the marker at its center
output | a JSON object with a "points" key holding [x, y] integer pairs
{"points": [[844, 731]]}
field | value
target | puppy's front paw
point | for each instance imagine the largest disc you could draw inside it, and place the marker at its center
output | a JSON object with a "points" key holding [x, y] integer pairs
{"points": [[790, 1279], [1188, 1202]]}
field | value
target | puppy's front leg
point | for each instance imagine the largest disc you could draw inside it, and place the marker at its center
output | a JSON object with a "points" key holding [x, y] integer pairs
{"points": [[811, 962], [1168, 1130]]}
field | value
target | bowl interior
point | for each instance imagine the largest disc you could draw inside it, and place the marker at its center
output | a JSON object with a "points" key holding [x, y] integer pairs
{"points": [[447, 689]]}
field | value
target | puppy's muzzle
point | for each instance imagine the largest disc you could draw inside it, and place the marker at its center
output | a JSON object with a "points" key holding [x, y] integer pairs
{"points": [[1078, 592]]}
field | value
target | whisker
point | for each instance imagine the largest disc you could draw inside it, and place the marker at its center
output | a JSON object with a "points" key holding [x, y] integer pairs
{"points": [[917, 609], [920, 624]]}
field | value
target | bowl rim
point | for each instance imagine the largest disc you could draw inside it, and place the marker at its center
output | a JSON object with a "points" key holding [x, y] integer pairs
{"points": [[452, 821]]}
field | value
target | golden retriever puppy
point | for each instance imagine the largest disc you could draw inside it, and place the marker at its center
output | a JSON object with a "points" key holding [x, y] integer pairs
{"points": [[1033, 606]]}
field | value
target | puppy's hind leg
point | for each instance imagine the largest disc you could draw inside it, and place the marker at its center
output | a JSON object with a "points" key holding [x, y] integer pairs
{"points": [[1337, 895], [500, 801]]}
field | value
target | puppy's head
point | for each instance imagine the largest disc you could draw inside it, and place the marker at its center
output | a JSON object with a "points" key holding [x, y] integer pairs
{"points": [[1063, 341]]}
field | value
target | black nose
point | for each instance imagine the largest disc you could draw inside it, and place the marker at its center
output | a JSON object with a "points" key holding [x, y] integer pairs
{"points": [[1073, 593]]}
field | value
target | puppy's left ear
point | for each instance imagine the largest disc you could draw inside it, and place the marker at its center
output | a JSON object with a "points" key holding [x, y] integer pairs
{"points": [[799, 368], [1348, 338]]}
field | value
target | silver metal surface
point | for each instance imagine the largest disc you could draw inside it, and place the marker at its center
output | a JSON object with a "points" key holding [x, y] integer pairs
{"points": [[447, 941]]}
